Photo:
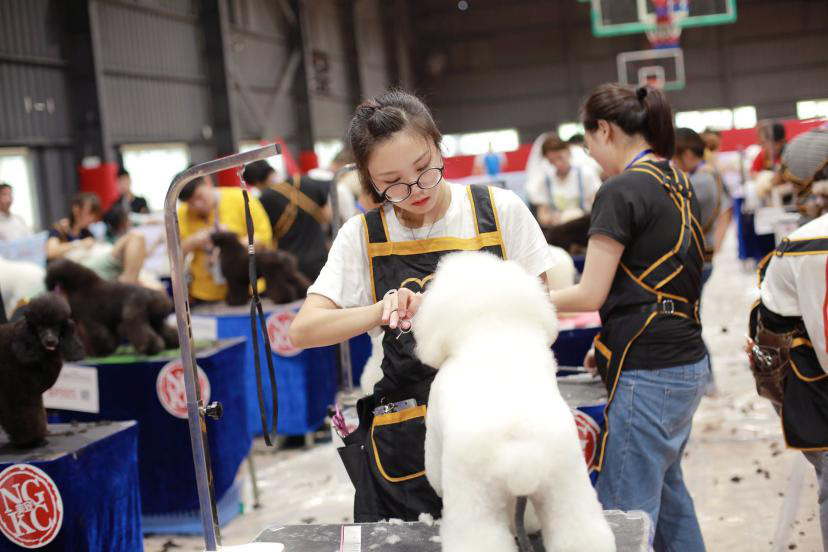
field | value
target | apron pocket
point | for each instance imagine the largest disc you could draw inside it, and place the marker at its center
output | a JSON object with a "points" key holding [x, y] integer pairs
{"points": [[398, 444]]}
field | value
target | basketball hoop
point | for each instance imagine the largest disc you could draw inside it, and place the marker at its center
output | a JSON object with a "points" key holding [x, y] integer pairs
{"points": [[667, 31]]}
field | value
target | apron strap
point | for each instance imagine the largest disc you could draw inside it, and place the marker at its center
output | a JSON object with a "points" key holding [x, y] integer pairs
{"points": [[374, 222], [810, 246], [298, 200], [659, 274], [483, 209]]}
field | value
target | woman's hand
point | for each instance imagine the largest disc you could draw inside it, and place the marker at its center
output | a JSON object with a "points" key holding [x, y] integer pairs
{"points": [[398, 308], [589, 362], [85, 243], [200, 241]]}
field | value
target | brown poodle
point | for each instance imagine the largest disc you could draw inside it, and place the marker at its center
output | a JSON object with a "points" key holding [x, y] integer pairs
{"points": [[111, 312], [32, 351], [284, 283], [570, 236]]}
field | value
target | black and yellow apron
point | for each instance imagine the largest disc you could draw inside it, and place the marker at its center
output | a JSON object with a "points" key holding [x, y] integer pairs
{"points": [[651, 292], [804, 383], [384, 457], [297, 200]]}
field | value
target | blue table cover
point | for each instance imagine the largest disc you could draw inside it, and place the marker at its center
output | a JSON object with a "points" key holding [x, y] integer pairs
{"points": [[95, 470], [127, 388], [307, 381]]}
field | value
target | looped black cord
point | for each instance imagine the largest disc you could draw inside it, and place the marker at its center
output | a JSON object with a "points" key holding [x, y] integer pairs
{"points": [[256, 308]]}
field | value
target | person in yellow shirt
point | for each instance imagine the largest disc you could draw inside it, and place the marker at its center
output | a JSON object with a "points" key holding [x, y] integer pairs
{"points": [[203, 210]]}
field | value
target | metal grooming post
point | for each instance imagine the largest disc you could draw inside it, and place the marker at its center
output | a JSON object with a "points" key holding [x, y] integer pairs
{"points": [[346, 374], [196, 410]]}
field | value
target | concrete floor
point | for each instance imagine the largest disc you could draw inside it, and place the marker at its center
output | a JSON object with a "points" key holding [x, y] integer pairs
{"points": [[736, 464]]}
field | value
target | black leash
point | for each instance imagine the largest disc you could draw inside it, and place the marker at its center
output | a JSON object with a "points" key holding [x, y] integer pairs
{"points": [[256, 308]]}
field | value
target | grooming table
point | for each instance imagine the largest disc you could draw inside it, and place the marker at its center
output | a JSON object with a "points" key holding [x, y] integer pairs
{"points": [[81, 487], [633, 533], [576, 332], [587, 398], [307, 378], [134, 388]]}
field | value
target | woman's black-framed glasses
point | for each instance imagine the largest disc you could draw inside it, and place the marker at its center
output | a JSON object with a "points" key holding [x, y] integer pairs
{"points": [[400, 191]]}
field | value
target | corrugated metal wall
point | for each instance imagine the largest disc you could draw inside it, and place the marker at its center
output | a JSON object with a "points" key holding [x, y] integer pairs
{"points": [[34, 104], [259, 53], [154, 79], [33, 101], [332, 91], [530, 65]]}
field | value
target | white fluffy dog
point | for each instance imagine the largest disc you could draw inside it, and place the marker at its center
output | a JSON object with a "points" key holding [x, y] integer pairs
{"points": [[497, 427]]}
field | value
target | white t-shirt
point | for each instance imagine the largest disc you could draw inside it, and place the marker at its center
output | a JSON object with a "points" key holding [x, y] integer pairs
{"points": [[346, 279], [13, 227], [795, 285], [566, 192]]}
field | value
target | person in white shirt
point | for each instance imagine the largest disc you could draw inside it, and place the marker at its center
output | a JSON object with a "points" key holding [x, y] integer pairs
{"points": [[793, 299], [563, 191], [787, 347], [12, 227], [377, 267]]}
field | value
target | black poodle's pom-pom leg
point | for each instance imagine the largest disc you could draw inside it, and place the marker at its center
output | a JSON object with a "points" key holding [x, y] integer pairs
{"points": [[137, 330], [99, 340]]}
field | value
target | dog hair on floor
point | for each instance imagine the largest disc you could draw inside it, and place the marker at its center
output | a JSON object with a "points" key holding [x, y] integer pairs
{"points": [[497, 427], [32, 351], [280, 270], [109, 312]]}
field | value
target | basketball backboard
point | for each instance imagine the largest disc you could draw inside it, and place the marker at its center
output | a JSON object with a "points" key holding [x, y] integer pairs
{"points": [[662, 68], [619, 17]]}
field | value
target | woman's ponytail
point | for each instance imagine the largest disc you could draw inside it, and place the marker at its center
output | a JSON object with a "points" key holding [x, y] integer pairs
{"points": [[643, 111]]}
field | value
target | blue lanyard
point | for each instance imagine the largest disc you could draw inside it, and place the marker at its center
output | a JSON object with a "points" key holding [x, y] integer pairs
{"points": [[697, 167], [637, 157]]}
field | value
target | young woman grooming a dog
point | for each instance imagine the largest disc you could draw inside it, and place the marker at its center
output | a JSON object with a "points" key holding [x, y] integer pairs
{"points": [[643, 271], [376, 270]]}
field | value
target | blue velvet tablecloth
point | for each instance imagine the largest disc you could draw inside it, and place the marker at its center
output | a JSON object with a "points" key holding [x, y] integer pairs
{"points": [[128, 390], [572, 345], [306, 380], [95, 470]]}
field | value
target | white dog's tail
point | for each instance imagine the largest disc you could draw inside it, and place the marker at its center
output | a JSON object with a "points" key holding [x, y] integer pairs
{"points": [[518, 463]]}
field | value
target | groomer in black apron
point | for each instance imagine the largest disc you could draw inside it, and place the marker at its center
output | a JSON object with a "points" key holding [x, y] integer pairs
{"points": [[379, 265], [643, 271], [787, 350]]}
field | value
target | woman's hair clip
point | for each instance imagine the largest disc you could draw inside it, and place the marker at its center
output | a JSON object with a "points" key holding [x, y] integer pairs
{"points": [[641, 93]]}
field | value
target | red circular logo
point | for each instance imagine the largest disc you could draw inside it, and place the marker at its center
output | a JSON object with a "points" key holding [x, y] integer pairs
{"points": [[588, 433], [31, 510], [278, 324], [171, 390]]}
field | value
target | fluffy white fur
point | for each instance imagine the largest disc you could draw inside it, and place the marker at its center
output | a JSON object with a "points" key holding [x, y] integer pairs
{"points": [[19, 282], [497, 427], [562, 275], [372, 372]]}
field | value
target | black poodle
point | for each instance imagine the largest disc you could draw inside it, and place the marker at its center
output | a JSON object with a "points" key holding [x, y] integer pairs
{"points": [[111, 312], [571, 236], [32, 351], [280, 270]]}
